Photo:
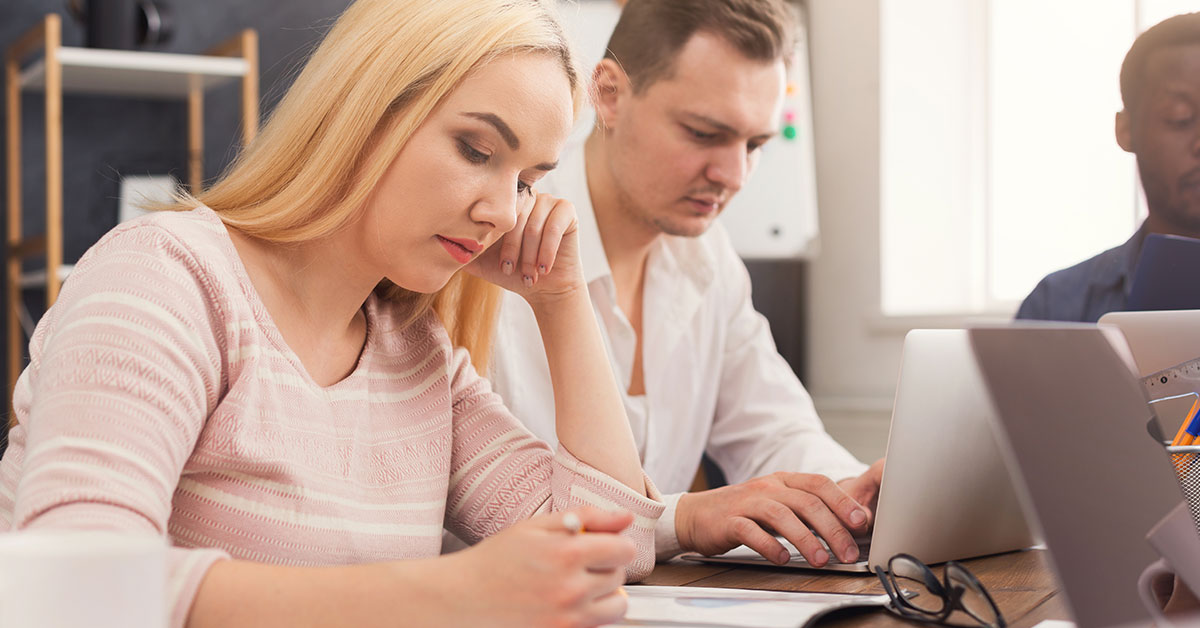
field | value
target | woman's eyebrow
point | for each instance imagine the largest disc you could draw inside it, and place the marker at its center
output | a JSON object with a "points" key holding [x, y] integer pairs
{"points": [[502, 127]]}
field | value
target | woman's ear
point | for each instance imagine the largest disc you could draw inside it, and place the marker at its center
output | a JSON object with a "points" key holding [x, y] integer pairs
{"points": [[610, 86], [1124, 131]]}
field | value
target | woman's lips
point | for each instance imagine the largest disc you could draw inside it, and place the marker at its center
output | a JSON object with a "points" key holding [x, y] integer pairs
{"points": [[458, 249]]}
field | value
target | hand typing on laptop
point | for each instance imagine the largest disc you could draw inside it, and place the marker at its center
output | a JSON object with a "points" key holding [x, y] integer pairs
{"points": [[793, 505], [949, 494], [865, 489]]}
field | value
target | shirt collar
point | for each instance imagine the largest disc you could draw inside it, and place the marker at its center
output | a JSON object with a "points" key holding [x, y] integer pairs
{"points": [[572, 179]]}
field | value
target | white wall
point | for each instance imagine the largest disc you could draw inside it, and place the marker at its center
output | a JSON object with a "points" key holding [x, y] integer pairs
{"points": [[853, 359]]}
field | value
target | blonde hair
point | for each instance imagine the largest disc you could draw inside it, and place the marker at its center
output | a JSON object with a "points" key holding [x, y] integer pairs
{"points": [[380, 71]]}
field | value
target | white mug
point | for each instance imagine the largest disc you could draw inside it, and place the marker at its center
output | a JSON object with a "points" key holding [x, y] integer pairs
{"points": [[71, 579], [1152, 574]]}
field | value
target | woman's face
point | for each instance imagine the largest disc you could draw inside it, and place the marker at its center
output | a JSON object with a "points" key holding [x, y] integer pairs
{"points": [[456, 186]]}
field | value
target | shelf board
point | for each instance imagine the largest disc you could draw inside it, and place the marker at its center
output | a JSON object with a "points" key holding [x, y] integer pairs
{"points": [[157, 75], [37, 278]]}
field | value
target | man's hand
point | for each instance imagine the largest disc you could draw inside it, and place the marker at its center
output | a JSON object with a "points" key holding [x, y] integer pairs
{"points": [[789, 504], [865, 489]]}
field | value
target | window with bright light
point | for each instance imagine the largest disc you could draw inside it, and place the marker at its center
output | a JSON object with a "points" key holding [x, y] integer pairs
{"points": [[999, 162]]}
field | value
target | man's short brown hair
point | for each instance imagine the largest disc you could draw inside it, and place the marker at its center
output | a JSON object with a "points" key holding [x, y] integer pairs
{"points": [[650, 33]]}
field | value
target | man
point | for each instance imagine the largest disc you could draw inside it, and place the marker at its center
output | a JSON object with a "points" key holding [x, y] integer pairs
{"points": [[1160, 125], [688, 93]]}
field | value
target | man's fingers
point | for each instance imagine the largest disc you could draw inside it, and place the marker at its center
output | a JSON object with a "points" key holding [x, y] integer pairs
{"points": [[747, 532], [817, 515], [864, 491], [792, 514], [851, 513]]}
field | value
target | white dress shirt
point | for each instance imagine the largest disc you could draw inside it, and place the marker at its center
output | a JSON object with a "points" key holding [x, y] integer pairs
{"points": [[714, 381]]}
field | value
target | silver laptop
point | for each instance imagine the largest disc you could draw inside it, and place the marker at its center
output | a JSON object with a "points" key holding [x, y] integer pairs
{"points": [[1072, 419], [1158, 339], [946, 494]]}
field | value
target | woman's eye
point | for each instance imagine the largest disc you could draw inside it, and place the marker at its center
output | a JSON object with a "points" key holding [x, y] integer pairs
{"points": [[471, 154], [1180, 123], [524, 188]]}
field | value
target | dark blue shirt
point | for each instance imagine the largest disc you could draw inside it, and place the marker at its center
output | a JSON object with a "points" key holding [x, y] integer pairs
{"points": [[1087, 290]]}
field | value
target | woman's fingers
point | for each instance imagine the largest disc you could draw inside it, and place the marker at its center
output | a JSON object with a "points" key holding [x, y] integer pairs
{"points": [[543, 227], [532, 238], [600, 520], [601, 552], [510, 244], [560, 222], [609, 608], [595, 543]]}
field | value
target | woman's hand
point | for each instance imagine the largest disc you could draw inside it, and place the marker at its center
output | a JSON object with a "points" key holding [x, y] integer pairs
{"points": [[538, 573], [535, 573], [539, 258]]}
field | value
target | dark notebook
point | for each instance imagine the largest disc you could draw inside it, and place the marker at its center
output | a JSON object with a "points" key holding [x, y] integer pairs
{"points": [[1167, 276]]}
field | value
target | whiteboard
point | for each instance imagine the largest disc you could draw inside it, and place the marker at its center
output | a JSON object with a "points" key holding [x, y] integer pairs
{"points": [[774, 216]]}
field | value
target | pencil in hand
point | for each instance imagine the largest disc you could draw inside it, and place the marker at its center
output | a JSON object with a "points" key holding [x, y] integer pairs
{"points": [[574, 525]]}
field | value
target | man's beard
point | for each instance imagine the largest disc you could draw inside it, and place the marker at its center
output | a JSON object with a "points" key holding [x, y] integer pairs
{"points": [[666, 225]]}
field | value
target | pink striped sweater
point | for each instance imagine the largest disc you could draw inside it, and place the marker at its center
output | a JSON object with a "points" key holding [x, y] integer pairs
{"points": [[160, 397]]}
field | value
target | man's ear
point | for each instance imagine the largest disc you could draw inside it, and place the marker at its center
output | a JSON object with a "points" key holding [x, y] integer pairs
{"points": [[1124, 131], [610, 86]]}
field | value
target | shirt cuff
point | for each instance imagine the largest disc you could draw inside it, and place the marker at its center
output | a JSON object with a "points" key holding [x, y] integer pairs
{"points": [[666, 542]]}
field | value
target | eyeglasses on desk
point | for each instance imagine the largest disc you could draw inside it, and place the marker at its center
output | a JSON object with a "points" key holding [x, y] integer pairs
{"points": [[918, 595]]}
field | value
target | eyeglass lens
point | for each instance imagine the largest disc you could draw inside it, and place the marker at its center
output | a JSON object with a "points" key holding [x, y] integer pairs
{"points": [[916, 578], [974, 599]]}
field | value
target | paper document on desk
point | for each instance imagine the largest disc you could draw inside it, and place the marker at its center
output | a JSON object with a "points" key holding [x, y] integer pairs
{"points": [[720, 608]]}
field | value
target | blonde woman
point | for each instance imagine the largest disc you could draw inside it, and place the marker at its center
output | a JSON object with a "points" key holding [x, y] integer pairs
{"points": [[264, 376]]}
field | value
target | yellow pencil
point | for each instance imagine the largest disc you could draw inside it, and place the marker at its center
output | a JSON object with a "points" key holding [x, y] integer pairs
{"points": [[1183, 437]]}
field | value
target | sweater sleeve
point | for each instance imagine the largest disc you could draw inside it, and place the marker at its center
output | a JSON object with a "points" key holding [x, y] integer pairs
{"points": [[125, 368], [500, 473]]}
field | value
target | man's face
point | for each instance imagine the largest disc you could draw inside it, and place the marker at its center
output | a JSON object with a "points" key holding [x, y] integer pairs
{"points": [[684, 146], [1164, 134]]}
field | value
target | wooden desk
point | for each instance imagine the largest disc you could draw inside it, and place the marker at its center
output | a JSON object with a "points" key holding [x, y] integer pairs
{"points": [[1020, 582]]}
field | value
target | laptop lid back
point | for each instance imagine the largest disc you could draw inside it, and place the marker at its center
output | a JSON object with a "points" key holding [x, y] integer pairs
{"points": [[1072, 418], [946, 494], [1158, 340]]}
